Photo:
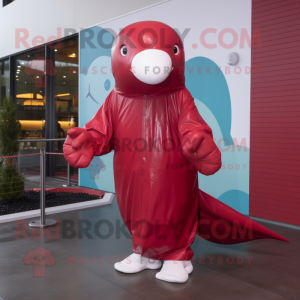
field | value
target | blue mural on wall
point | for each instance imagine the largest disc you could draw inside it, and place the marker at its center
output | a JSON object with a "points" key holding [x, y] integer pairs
{"points": [[96, 166], [209, 88], [207, 85], [96, 82]]}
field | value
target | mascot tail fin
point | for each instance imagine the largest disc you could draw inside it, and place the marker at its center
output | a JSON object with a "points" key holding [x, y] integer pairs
{"points": [[221, 224]]}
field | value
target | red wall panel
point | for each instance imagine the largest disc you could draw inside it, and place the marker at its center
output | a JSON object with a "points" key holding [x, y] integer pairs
{"points": [[275, 112]]}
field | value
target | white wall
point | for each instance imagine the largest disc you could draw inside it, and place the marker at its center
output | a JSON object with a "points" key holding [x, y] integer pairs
{"points": [[44, 17]]}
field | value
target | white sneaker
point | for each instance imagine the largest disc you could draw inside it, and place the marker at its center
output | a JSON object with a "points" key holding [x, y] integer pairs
{"points": [[175, 271], [136, 263], [188, 266]]}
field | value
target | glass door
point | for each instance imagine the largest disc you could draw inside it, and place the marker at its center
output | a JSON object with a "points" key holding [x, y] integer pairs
{"points": [[66, 98]]}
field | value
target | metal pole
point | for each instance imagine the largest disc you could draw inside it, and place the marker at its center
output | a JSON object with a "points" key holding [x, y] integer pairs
{"points": [[42, 180], [68, 168], [19, 162], [43, 222]]}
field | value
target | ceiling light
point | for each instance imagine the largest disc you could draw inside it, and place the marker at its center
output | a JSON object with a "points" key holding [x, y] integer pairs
{"points": [[30, 96], [55, 50], [72, 55], [65, 76], [62, 95]]}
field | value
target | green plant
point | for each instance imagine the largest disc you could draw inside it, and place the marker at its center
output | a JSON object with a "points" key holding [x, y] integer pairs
{"points": [[10, 129], [11, 183]]}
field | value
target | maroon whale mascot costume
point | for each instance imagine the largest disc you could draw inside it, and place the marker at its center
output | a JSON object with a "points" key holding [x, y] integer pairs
{"points": [[160, 143]]}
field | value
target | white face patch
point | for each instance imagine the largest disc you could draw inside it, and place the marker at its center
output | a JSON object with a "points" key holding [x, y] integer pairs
{"points": [[152, 66]]}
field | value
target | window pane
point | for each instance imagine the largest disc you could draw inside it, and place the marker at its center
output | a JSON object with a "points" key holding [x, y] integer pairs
{"points": [[4, 80], [5, 2], [66, 97], [29, 74], [30, 93]]}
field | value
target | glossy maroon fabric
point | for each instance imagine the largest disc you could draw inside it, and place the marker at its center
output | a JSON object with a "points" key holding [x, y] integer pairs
{"points": [[155, 169], [219, 223], [161, 143]]}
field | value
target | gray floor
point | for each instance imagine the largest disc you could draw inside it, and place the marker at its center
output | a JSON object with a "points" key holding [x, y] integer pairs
{"points": [[272, 274]]}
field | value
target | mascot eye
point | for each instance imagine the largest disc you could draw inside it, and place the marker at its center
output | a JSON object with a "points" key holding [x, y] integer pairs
{"points": [[176, 50], [124, 50]]}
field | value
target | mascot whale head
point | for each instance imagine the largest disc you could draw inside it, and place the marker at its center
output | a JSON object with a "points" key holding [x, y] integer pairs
{"points": [[148, 59]]}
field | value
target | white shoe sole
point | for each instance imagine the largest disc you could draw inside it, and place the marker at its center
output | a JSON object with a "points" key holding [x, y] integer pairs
{"points": [[189, 270], [150, 266], [170, 278], [136, 268]]}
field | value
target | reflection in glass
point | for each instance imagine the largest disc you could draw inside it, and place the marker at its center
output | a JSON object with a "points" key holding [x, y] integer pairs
{"points": [[66, 97], [4, 80], [30, 78], [30, 96], [30, 93]]}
